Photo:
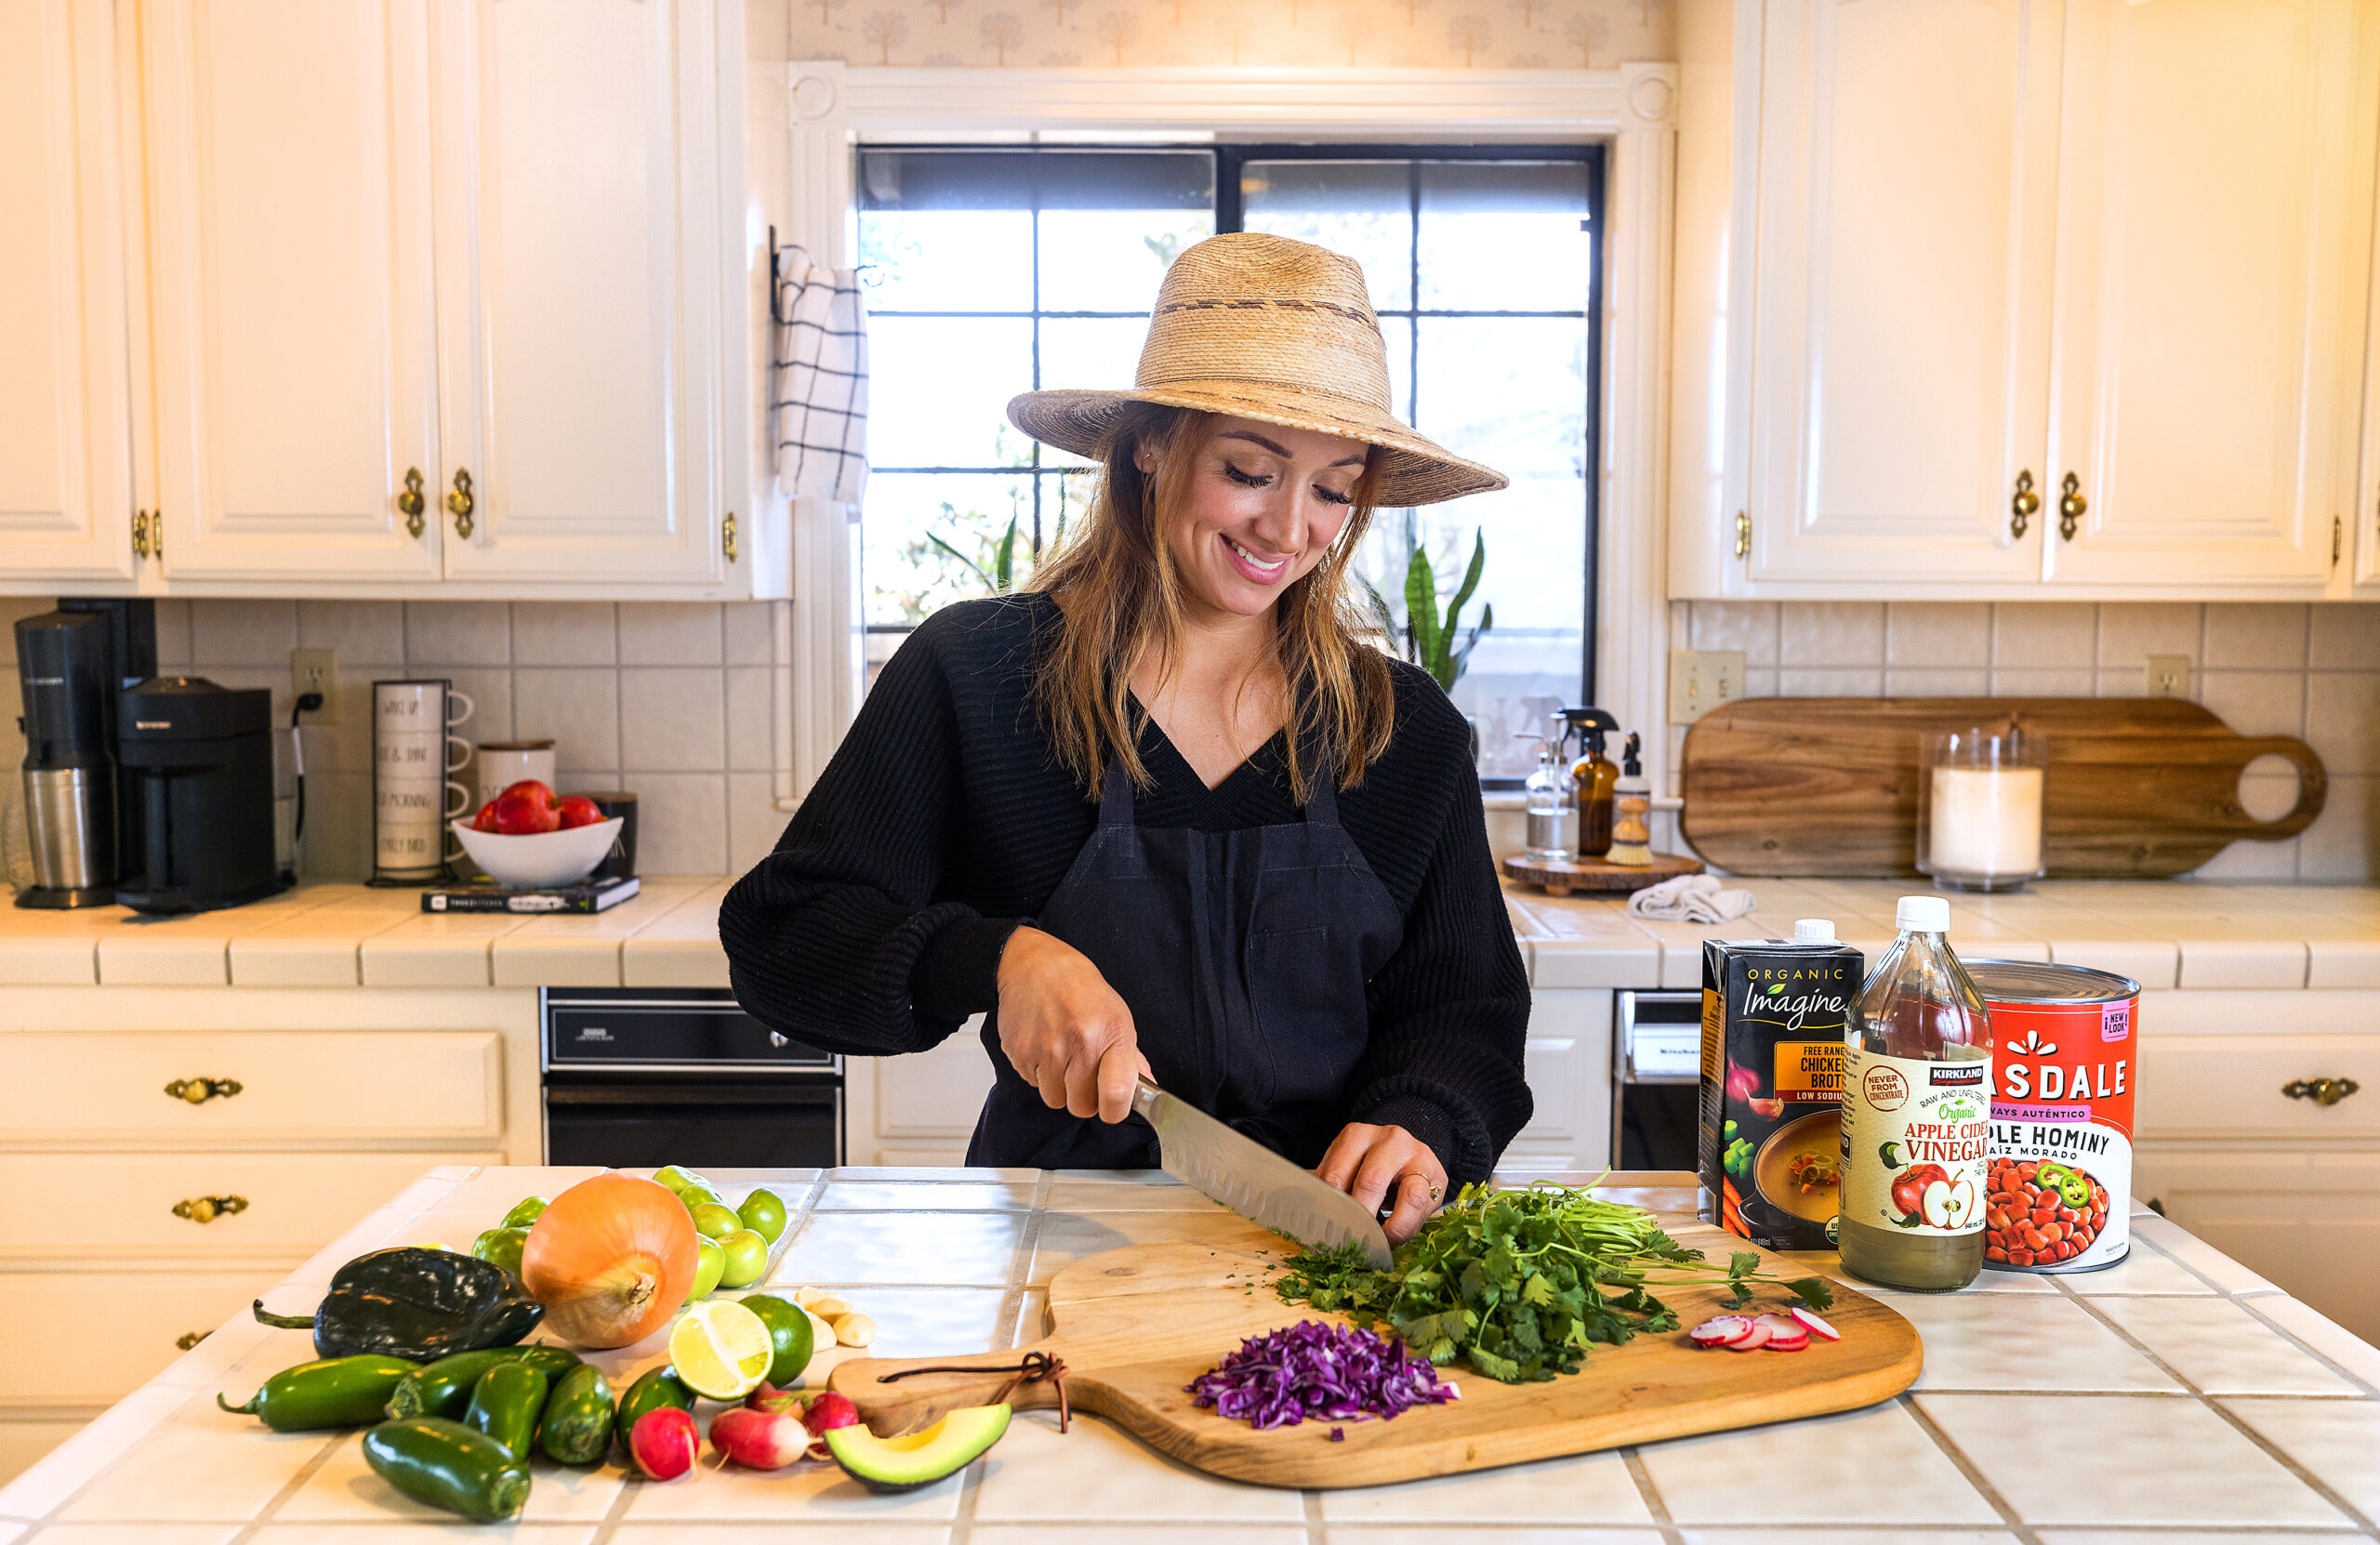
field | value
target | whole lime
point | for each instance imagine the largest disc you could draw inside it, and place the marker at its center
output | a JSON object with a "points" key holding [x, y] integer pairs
{"points": [[716, 1220], [790, 1330], [710, 1264], [747, 1258], [763, 1213], [502, 1246]]}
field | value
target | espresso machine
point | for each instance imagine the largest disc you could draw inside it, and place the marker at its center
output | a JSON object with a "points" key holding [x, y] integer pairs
{"points": [[198, 758], [83, 823]]}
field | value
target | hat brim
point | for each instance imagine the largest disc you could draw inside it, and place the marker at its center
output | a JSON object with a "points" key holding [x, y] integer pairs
{"points": [[1414, 470]]}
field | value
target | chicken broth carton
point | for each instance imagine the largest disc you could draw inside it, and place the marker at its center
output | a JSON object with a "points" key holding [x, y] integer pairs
{"points": [[1769, 1148]]}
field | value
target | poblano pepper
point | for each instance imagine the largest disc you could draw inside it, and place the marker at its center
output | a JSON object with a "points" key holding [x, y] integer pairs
{"points": [[417, 1305]]}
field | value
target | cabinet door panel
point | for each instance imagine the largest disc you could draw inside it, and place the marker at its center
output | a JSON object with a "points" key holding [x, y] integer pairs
{"points": [[579, 253], [2308, 1222], [70, 1340], [295, 336], [65, 403], [2230, 1088], [2212, 245], [1902, 261]]}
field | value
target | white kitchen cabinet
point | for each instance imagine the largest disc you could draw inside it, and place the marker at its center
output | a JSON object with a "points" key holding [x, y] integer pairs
{"points": [[1974, 249], [2308, 1219], [65, 399], [290, 235], [1905, 188], [2212, 268], [1569, 1067], [584, 299]]}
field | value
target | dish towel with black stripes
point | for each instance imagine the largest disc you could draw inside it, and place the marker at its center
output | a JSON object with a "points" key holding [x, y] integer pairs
{"points": [[818, 379]]}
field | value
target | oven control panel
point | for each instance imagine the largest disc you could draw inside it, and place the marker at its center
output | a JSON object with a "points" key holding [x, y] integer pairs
{"points": [[690, 1028]]}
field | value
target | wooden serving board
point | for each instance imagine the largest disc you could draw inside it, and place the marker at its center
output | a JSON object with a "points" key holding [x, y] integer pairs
{"points": [[2137, 787], [1594, 876], [1135, 1325]]}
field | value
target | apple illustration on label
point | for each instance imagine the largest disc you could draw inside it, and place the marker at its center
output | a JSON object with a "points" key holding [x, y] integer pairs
{"points": [[1947, 1202], [1909, 1189]]}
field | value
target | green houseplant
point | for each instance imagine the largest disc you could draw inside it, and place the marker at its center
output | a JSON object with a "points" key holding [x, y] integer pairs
{"points": [[1430, 637]]}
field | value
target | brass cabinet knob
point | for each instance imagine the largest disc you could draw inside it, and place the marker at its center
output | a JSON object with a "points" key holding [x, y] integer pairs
{"points": [[2024, 506], [205, 1210], [2071, 506], [2322, 1092], [190, 1338], [410, 504], [198, 1092], [461, 504]]}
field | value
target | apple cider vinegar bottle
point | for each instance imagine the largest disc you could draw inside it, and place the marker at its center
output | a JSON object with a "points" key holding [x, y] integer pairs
{"points": [[1916, 1113]]}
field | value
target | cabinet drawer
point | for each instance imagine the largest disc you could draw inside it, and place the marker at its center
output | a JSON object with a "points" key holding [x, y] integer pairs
{"points": [[2230, 1087], [343, 1088], [120, 1207], [69, 1340]]}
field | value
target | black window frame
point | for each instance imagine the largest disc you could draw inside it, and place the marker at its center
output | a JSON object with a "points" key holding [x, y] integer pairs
{"points": [[1230, 161]]}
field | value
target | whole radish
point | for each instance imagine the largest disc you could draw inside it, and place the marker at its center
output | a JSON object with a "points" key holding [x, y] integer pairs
{"points": [[664, 1443], [826, 1411], [762, 1440]]}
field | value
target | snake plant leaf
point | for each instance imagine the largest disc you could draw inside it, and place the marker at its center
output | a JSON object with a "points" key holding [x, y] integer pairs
{"points": [[1470, 576], [1422, 613], [971, 564], [1004, 559]]}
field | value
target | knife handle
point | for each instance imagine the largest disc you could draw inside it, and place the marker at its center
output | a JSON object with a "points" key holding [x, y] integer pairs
{"points": [[1144, 1098]]}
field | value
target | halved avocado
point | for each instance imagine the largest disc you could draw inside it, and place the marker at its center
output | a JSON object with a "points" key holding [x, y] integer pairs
{"points": [[920, 1458]]}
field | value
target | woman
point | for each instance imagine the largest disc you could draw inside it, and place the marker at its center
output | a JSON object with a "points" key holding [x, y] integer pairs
{"points": [[1164, 814]]}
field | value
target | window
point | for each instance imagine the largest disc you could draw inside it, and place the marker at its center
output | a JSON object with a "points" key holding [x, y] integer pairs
{"points": [[995, 271]]}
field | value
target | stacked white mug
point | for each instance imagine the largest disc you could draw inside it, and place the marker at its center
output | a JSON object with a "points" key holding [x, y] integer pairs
{"points": [[413, 756]]}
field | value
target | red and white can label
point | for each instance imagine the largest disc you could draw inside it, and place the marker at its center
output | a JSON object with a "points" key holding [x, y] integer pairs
{"points": [[2057, 1197]]}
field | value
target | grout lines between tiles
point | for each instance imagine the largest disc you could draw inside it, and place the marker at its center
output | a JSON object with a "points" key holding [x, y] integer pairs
{"points": [[1651, 1496], [1967, 1467]]}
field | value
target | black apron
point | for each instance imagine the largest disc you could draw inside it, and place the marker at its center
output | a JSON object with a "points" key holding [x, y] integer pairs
{"points": [[1243, 956]]}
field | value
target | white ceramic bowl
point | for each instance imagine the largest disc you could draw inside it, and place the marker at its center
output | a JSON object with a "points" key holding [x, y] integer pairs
{"points": [[541, 858]]}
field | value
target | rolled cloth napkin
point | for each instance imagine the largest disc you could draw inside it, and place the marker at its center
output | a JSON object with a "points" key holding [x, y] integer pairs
{"points": [[1690, 899]]}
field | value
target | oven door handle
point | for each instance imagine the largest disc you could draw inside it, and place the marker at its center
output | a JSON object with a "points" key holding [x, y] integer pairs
{"points": [[806, 1093]]}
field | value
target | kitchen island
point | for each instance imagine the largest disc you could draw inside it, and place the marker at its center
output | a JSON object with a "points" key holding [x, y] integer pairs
{"points": [[2175, 1390]]}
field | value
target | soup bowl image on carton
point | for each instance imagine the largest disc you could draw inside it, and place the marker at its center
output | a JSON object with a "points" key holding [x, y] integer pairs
{"points": [[1769, 1147]]}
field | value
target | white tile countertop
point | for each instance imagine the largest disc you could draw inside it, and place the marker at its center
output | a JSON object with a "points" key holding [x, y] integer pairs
{"points": [[2173, 1392], [2166, 933]]}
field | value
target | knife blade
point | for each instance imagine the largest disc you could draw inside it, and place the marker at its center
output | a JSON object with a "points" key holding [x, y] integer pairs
{"points": [[1253, 1180]]}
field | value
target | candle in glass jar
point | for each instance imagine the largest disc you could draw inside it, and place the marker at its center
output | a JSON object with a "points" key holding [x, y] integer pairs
{"points": [[1987, 821]]}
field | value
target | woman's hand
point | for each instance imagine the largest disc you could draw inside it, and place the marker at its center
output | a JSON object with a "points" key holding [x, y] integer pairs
{"points": [[1064, 1029], [1367, 1161]]}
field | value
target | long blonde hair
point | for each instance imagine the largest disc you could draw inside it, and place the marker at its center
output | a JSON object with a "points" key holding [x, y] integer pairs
{"points": [[1121, 596]]}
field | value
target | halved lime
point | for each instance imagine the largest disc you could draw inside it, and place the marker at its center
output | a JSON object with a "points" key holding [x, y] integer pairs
{"points": [[721, 1349]]}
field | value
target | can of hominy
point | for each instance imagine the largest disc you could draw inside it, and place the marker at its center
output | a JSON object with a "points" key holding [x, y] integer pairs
{"points": [[2065, 1059]]}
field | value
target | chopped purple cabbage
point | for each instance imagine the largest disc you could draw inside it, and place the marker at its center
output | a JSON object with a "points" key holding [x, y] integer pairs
{"points": [[1315, 1369]]}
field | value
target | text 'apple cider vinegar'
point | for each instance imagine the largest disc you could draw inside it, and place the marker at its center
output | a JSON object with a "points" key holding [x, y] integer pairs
{"points": [[1916, 1113]]}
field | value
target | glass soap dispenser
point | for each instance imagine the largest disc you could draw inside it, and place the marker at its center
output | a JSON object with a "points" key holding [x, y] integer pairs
{"points": [[1550, 808]]}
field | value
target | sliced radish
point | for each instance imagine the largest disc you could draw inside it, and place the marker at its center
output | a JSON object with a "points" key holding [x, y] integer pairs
{"points": [[1784, 1335], [1714, 1332], [1797, 1344], [1754, 1336], [1818, 1327]]}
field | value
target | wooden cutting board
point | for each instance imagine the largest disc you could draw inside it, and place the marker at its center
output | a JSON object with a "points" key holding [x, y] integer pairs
{"points": [[1135, 1325], [2137, 787]]}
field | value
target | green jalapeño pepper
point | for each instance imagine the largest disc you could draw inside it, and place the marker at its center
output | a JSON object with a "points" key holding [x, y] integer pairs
{"points": [[416, 1304], [444, 1388], [506, 1405], [337, 1392], [447, 1465]]}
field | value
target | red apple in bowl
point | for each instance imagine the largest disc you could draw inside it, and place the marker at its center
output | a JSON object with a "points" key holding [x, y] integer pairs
{"points": [[527, 808], [577, 809]]}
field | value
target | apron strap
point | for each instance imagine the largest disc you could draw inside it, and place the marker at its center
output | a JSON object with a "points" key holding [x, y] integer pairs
{"points": [[1116, 795], [1322, 791]]}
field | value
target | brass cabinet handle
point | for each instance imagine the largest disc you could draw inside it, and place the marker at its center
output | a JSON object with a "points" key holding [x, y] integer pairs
{"points": [[2322, 1092], [410, 504], [205, 1210], [190, 1338], [1743, 533], [727, 536], [2071, 506], [2024, 506], [461, 504], [198, 1092], [139, 533]]}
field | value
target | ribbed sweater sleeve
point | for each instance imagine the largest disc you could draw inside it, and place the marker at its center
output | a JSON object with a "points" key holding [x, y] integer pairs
{"points": [[826, 934]]}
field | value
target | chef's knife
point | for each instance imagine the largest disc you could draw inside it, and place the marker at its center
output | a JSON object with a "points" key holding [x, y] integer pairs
{"points": [[1253, 1180]]}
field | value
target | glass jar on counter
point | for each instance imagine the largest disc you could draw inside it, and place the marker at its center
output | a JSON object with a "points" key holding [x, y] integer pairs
{"points": [[1980, 799]]}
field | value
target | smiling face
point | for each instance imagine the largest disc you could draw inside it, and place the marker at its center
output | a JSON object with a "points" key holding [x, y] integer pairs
{"points": [[1257, 508]]}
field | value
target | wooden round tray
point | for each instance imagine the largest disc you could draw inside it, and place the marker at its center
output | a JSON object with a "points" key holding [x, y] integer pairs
{"points": [[1593, 877]]}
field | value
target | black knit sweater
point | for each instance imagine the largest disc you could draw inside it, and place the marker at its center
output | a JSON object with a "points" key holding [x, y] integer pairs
{"points": [[944, 820]]}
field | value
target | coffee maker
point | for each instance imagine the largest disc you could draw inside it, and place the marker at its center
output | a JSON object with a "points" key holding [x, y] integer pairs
{"points": [[199, 758], [72, 666]]}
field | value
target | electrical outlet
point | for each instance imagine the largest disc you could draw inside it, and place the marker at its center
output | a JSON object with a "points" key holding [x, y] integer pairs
{"points": [[1703, 678], [2169, 675], [316, 670]]}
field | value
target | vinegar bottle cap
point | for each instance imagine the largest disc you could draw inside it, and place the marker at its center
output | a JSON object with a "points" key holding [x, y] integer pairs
{"points": [[1813, 931], [1922, 915]]}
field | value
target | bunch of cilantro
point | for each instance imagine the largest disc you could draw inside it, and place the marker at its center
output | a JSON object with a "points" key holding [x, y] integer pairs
{"points": [[1520, 1283]]}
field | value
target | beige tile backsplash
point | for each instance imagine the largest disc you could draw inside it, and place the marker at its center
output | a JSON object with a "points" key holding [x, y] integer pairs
{"points": [[2312, 671]]}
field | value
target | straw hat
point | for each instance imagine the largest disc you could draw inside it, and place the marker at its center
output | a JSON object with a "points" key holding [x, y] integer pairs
{"points": [[1267, 328]]}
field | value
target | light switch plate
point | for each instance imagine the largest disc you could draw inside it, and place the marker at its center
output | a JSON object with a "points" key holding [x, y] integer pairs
{"points": [[1703, 678], [315, 670], [2169, 675]]}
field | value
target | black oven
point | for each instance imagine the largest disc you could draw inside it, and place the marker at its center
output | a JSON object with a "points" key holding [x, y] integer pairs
{"points": [[636, 1077], [1655, 1079]]}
